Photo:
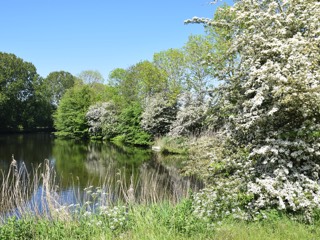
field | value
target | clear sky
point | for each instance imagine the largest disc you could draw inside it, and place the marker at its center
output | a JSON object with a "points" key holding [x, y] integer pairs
{"points": [[77, 35]]}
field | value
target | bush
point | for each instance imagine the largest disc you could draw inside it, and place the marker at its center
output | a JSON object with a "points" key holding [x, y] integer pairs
{"points": [[270, 104], [129, 127], [102, 120], [158, 115], [190, 116]]}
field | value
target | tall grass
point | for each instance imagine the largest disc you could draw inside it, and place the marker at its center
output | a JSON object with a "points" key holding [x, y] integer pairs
{"points": [[144, 207], [38, 192]]}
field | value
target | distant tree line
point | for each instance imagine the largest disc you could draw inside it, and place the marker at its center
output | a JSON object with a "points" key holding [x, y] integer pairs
{"points": [[148, 99]]}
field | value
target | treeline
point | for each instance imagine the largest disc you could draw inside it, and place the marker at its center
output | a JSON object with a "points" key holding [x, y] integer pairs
{"points": [[169, 95]]}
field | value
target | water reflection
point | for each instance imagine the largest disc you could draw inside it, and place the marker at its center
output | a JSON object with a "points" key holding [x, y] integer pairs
{"points": [[77, 164]]}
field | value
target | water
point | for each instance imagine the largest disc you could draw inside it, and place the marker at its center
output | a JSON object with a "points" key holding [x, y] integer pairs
{"points": [[78, 164], [86, 161]]}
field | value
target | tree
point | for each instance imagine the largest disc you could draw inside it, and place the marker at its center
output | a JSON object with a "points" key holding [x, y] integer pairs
{"points": [[200, 75], [91, 77], [70, 117], [102, 119], [190, 116], [129, 128], [149, 78], [158, 115], [273, 107], [138, 82], [173, 67], [56, 84], [116, 77], [17, 79]]}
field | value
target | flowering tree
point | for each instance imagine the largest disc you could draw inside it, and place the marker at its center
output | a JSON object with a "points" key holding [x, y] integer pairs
{"points": [[158, 115], [102, 119], [272, 103], [190, 116]]}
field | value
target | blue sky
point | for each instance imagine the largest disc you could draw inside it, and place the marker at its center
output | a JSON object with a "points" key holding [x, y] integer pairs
{"points": [[77, 35]]}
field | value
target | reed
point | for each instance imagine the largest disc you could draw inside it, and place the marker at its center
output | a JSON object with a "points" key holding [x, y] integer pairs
{"points": [[38, 192]]}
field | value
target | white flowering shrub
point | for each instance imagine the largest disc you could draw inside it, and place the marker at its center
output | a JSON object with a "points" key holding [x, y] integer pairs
{"points": [[190, 116], [272, 101], [158, 115], [102, 119]]}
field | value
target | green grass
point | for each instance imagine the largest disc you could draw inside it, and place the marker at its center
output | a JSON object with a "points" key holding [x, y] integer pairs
{"points": [[149, 215], [162, 221]]}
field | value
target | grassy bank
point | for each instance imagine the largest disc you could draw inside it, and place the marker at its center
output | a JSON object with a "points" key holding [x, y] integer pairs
{"points": [[138, 213], [159, 221]]}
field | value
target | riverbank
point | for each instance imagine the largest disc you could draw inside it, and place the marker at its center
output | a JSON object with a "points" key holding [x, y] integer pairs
{"points": [[158, 221], [134, 214]]}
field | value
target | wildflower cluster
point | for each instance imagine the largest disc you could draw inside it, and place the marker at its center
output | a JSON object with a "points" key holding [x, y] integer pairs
{"points": [[116, 216]]}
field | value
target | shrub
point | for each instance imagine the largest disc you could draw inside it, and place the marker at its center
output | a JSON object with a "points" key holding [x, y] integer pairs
{"points": [[158, 115], [272, 105], [190, 116], [102, 120]]}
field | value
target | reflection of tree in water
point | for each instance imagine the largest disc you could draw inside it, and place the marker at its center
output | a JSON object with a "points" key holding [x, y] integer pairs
{"points": [[108, 160], [79, 164], [93, 162], [31, 149], [163, 182], [69, 158]]}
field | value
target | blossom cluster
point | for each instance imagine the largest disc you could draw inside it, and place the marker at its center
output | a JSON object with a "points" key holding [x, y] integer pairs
{"points": [[102, 119], [272, 101]]}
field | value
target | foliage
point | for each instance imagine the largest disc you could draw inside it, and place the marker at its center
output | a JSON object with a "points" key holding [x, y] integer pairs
{"points": [[272, 105], [149, 79], [19, 95], [56, 84], [129, 126], [91, 77], [70, 120], [138, 82], [102, 119], [158, 115], [172, 145], [160, 221], [199, 73], [190, 116], [172, 65]]}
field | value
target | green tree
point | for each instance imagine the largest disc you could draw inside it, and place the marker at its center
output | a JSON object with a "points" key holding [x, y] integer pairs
{"points": [[56, 84], [199, 74], [124, 85], [17, 79], [172, 65], [129, 128], [38, 111], [70, 117], [149, 78], [91, 77]]}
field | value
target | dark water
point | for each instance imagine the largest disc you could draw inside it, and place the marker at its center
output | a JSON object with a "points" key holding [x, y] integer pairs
{"points": [[82, 161], [79, 164]]}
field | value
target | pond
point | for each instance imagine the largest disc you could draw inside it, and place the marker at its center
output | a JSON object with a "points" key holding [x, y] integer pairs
{"points": [[75, 165]]}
